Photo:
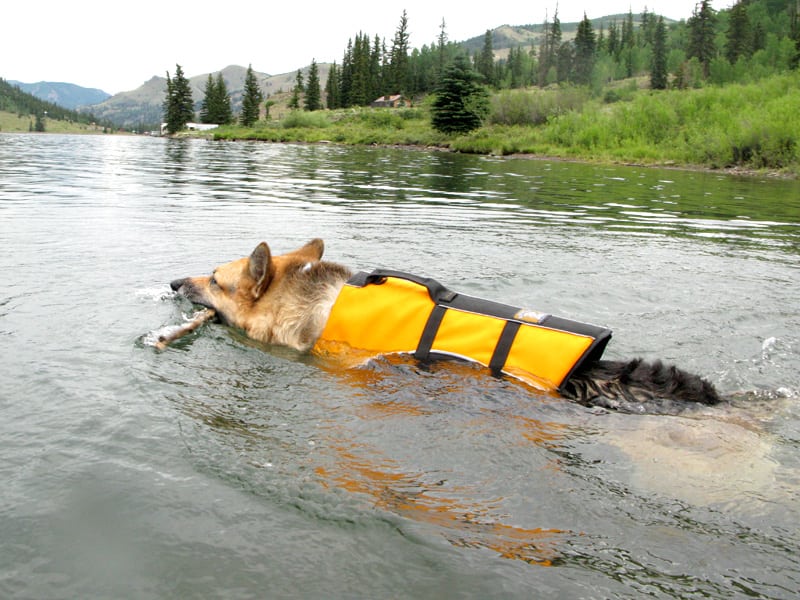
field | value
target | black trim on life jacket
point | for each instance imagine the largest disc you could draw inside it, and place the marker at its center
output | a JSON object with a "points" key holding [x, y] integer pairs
{"points": [[515, 317], [503, 347]]}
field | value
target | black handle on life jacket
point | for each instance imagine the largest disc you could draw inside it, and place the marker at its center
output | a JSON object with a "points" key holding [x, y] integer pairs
{"points": [[437, 291]]}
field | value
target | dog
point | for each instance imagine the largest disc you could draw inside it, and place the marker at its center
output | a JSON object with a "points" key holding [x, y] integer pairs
{"points": [[294, 300]]}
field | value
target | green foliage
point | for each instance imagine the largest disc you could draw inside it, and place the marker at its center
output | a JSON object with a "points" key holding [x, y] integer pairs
{"points": [[178, 102], [755, 126], [484, 62], [398, 73], [313, 99], [299, 119], [701, 35], [251, 100], [14, 100], [534, 107], [382, 118], [460, 104], [585, 52], [658, 71], [216, 105]]}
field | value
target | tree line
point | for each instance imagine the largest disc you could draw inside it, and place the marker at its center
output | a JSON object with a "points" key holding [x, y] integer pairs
{"points": [[14, 100], [752, 39]]}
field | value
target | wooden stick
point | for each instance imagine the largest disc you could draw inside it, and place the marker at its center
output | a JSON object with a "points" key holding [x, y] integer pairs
{"points": [[197, 320]]}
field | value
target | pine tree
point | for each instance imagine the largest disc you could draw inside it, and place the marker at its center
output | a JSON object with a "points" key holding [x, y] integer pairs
{"points": [[207, 105], [333, 97], [294, 100], [313, 96], [701, 35], [398, 62], [548, 53], [375, 75], [613, 46], [440, 51], [658, 72], [739, 43], [223, 112], [361, 82], [460, 104], [565, 60], [346, 77], [178, 103], [585, 48], [628, 43], [484, 61], [251, 100]]}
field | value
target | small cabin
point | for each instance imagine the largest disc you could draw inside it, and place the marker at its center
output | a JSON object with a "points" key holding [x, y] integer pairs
{"points": [[393, 101]]}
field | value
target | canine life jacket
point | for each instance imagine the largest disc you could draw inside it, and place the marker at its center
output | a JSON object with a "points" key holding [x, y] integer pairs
{"points": [[393, 312]]}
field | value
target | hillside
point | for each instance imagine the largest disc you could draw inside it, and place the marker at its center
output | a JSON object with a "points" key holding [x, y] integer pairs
{"points": [[142, 108], [513, 36], [67, 95], [22, 112]]}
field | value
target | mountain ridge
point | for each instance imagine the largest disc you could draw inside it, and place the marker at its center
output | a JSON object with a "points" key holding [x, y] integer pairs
{"points": [[67, 95], [142, 107]]}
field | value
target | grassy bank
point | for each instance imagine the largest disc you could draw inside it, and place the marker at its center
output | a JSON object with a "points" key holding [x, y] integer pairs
{"points": [[13, 123], [753, 126]]}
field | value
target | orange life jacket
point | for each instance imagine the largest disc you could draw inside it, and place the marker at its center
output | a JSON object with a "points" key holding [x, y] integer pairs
{"points": [[390, 311]]}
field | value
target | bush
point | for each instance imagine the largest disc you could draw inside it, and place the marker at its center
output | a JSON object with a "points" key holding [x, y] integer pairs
{"points": [[534, 107], [303, 119], [380, 118]]}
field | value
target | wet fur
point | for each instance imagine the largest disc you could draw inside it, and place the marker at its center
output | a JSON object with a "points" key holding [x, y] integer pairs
{"points": [[287, 299], [638, 386]]}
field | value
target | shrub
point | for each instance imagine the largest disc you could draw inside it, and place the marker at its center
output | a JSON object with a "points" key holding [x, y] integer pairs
{"points": [[387, 118], [309, 120], [534, 107]]}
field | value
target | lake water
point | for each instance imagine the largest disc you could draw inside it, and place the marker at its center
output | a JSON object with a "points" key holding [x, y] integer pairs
{"points": [[221, 468]]}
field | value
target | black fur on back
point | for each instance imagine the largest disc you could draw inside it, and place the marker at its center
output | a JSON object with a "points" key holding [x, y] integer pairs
{"points": [[638, 386]]}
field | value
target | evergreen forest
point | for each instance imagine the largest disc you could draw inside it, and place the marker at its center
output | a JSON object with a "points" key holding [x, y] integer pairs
{"points": [[751, 40]]}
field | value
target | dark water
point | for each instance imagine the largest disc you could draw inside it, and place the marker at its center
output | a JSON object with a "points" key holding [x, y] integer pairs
{"points": [[225, 469]]}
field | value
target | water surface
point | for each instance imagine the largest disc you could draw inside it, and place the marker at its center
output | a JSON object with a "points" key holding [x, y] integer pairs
{"points": [[224, 468]]}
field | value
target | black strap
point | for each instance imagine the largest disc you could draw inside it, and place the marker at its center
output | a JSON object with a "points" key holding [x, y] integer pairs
{"points": [[436, 290], [503, 347], [429, 333]]}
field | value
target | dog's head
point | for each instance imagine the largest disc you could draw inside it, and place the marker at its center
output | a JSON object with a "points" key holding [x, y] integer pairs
{"points": [[251, 292]]}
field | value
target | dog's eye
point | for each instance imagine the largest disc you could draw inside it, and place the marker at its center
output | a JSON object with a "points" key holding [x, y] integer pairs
{"points": [[214, 282]]}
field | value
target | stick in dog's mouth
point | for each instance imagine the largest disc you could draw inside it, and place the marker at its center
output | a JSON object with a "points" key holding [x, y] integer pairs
{"points": [[197, 320]]}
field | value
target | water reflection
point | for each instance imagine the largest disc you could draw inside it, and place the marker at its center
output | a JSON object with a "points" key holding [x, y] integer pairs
{"points": [[624, 200]]}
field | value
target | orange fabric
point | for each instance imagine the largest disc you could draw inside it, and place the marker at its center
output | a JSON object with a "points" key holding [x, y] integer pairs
{"points": [[390, 317]]}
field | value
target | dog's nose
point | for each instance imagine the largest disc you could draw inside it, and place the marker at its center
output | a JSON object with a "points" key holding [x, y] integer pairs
{"points": [[176, 284]]}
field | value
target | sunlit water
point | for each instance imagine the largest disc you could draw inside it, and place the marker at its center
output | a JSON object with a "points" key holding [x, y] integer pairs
{"points": [[221, 468]]}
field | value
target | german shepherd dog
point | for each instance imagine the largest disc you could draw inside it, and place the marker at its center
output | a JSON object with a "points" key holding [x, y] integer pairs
{"points": [[287, 299]]}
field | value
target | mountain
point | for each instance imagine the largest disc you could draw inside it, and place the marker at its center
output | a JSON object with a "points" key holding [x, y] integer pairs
{"points": [[68, 95], [513, 36], [142, 108]]}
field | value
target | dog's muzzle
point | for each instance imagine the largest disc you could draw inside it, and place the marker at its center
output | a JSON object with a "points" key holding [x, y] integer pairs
{"points": [[177, 284]]}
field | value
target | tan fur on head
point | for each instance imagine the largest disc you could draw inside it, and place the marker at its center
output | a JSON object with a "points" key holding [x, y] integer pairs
{"points": [[282, 299]]}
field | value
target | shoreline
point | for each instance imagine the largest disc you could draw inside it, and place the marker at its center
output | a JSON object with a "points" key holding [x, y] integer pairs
{"points": [[736, 171]]}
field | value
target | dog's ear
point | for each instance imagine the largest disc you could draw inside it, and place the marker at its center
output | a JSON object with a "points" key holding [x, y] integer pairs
{"points": [[261, 269], [312, 250]]}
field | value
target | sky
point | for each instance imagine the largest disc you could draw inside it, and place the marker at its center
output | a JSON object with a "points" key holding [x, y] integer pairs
{"points": [[116, 46]]}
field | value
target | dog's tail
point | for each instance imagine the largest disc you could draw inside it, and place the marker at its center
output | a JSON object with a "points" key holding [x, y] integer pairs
{"points": [[638, 386]]}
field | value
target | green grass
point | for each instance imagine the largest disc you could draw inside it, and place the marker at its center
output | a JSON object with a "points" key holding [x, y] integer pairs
{"points": [[352, 126], [13, 123], [752, 126]]}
